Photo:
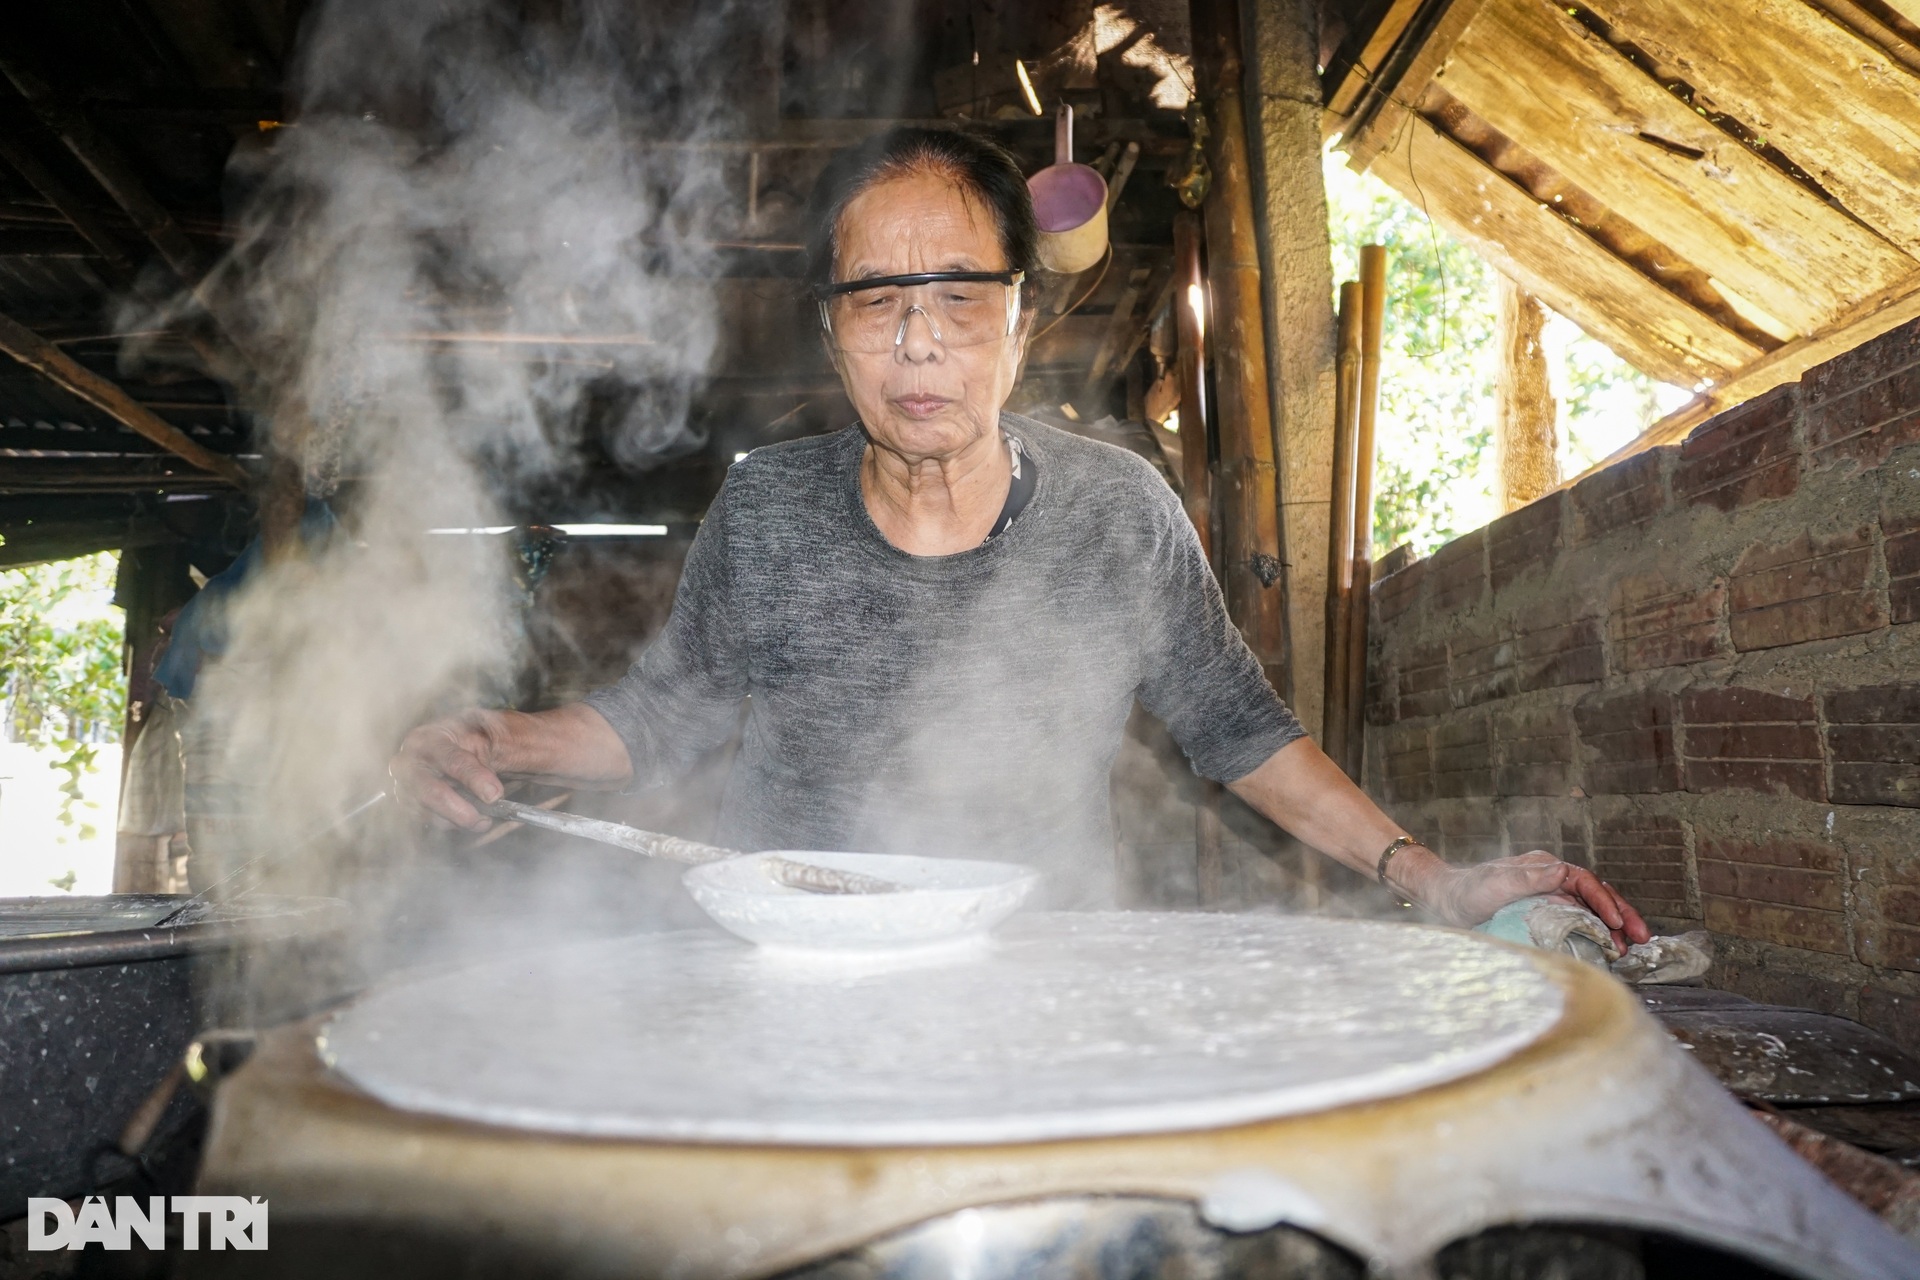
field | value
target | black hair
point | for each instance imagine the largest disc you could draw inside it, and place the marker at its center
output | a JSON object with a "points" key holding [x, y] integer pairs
{"points": [[980, 165]]}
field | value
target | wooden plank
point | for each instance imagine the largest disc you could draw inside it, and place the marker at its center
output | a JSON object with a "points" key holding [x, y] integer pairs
{"points": [[1908, 9], [1539, 77], [1833, 102], [1873, 317], [1645, 325], [1345, 93]]}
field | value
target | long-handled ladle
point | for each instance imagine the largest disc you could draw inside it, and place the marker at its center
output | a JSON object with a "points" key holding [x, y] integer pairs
{"points": [[808, 876]]}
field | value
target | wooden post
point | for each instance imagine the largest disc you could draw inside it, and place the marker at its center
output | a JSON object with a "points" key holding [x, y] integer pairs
{"points": [[1526, 434], [1373, 312], [1246, 476], [1281, 42], [1346, 403]]}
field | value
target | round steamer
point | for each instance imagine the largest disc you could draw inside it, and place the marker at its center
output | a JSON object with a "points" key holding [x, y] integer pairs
{"points": [[947, 901]]}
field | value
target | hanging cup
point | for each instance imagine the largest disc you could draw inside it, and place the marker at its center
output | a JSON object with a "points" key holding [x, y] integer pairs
{"points": [[1070, 204]]}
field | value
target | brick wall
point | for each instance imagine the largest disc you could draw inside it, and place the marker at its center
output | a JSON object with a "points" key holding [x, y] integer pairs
{"points": [[1699, 673]]}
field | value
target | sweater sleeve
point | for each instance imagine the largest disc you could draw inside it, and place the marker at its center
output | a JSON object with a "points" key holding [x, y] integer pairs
{"points": [[682, 698], [1198, 675]]}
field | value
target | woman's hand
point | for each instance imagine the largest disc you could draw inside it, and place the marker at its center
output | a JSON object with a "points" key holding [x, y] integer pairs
{"points": [[443, 762], [1466, 896]]}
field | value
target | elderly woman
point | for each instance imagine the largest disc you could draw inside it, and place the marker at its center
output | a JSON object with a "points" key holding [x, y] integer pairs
{"points": [[942, 615]]}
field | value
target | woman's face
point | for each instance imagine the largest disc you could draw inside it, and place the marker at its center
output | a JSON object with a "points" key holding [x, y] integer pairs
{"points": [[919, 398]]}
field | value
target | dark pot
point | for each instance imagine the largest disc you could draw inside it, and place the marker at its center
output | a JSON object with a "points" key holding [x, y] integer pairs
{"points": [[96, 1007]]}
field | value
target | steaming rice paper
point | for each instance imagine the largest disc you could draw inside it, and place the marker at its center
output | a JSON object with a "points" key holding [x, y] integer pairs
{"points": [[1071, 1026]]}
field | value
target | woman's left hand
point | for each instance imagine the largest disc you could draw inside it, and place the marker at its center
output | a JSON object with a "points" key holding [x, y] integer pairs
{"points": [[1469, 895]]}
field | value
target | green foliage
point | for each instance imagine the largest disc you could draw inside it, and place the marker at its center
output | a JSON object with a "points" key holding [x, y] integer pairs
{"points": [[1432, 477], [60, 651]]}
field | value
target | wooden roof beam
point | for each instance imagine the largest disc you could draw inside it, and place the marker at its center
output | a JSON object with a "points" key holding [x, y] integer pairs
{"points": [[53, 364], [1646, 324], [1533, 71], [69, 205], [104, 160]]}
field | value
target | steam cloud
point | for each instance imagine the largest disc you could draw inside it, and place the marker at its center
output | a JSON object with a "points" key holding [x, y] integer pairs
{"points": [[478, 246]]}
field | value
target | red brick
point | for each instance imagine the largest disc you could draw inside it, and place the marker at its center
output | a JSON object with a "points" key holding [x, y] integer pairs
{"points": [[1782, 885], [1810, 588], [1383, 692], [1892, 1012], [1398, 592], [1552, 656], [1525, 539], [1657, 623], [1903, 566], [1459, 572], [1644, 857], [1631, 740], [1409, 765], [1783, 926], [1744, 455], [1469, 833], [1462, 758], [1869, 362], [1554, 833], [1423, 683], [1533, 751], [1892, 935], [1873, 742], [1625, 495], [1867, 425], [1752, 740], [1480, 668], [1803, 855]]}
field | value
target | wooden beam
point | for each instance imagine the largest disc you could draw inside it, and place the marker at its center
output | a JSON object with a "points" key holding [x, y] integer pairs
{"points": [[1381, 117], [1869, 320], [1353, 74], [1555, 261], [104, 160], [62, 197], [1246, 481], [30, 349], [1537, 75], [1526, 433], [1824, 96]]}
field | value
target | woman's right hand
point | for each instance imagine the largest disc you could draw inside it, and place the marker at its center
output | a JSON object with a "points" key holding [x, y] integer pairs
{"points": [[444, 762], [459, 751]]}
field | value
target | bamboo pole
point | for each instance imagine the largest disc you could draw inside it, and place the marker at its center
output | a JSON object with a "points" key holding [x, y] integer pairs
{"points": [[1340, 517], [1373, 312], [55, 365]]}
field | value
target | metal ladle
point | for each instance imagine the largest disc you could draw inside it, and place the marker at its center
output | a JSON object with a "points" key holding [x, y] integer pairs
{"points": [[805, 876]]}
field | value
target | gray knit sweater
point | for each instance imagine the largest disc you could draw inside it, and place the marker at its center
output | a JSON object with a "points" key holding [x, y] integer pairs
{"points": [[968, 705]]}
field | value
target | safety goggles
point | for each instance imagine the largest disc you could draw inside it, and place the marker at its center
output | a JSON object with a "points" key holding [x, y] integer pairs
{"points": [[961, 308]]}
